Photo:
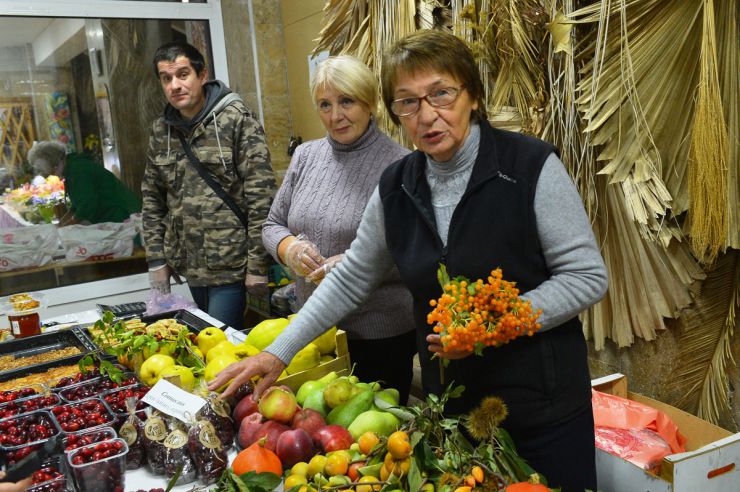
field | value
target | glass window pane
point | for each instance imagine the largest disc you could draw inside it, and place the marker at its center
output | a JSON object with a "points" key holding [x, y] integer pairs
{"points": [[89, 85]]}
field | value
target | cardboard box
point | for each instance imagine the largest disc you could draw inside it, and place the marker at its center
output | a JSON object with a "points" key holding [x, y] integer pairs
{"points": [[711, 462], [340, 364]]}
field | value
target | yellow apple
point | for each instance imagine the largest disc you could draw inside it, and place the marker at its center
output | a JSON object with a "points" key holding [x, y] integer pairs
{"points": [[151, 369], [224, 347], [179, 375], [209, 338], [217, 365]]}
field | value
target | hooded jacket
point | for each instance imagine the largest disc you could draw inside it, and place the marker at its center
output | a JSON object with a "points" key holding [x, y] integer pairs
{"points": [[185, 224]]}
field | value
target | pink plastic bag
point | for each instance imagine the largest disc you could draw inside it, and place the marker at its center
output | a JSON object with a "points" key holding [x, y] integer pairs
{"points": [[636, 432], [158, 302]]}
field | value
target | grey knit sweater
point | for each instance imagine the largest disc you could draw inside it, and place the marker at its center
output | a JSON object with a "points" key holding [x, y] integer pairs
{"points": [[323, 196], [578, 274]]}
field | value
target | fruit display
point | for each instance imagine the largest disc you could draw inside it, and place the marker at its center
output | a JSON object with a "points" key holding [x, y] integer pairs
{"points": [[94, 387], [155, 431], [20, 393], [177, 456], [26, 429], [207, 451], [38, 402], [8, 362], [87, 437], [48, 479], [118, 399], [132, 431], [48, 377], [218, 413]]}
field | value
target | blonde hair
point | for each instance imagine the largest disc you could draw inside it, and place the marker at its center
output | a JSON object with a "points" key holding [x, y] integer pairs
{"points": [[349, 76]]}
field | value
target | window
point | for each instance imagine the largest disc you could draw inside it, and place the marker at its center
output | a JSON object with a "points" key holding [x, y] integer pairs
{"points": [[87, 83]]}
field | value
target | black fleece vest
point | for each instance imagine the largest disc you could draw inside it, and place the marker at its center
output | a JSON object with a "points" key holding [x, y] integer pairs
{"points": [[543, 379]]}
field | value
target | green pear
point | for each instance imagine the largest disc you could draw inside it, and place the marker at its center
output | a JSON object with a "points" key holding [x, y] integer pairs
{"points": [[315, 401], [382, 423], [328, 378], [389, 395], [307, 388], [338, 391]]}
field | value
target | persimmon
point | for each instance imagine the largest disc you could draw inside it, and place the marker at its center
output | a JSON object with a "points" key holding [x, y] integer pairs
{"points": [[257, 458]]}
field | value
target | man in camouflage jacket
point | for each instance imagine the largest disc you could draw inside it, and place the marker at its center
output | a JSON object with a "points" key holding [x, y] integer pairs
{"points": [[188, 230]]}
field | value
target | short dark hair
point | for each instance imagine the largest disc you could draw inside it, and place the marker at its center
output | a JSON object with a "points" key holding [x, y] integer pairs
{"points": [[171, 51], [435, 50]]}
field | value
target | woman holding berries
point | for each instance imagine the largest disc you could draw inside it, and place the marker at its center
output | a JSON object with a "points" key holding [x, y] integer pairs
{"points": [[474, 199]]}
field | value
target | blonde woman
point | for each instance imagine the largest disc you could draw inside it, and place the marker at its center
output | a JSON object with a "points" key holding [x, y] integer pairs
{"points": [[318, 208]]}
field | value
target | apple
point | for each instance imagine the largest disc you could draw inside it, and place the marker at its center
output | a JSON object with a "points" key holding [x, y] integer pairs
{"points": [[152, 368], [223, 347], [332, 438], [217, 365], [278, 403], [307, 419], [209, 338], [246, 407], [248, 429], [180, 376], [294, 446]]}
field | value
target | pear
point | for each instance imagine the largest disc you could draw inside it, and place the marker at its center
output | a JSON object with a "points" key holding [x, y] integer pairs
{"points": [[307, 388], [338, 392]]}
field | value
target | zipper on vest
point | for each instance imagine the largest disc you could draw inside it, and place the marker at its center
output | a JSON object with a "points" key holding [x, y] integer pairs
{"points": [[420, 208]]}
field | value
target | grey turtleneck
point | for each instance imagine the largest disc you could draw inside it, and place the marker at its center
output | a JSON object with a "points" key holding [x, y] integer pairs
{"points": [[323, 196], [578, 274]]}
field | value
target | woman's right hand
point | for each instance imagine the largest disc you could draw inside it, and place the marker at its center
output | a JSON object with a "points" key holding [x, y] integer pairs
{"points": [[302, 256]]}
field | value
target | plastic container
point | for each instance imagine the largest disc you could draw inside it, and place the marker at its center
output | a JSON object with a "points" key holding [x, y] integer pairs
{"points": [[15, 452], [58, 484], [85, 414], [21, 393], [101, 475], [30, 404], [88, 436], [95, 387], [56, 465], [120, 414]]}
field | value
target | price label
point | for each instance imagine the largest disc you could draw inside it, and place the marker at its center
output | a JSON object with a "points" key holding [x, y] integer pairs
{"points": [[175, 402]]}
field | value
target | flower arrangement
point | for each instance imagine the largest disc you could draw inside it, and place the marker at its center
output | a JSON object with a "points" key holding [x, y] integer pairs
{"points": [[470, 316], [41, 198]]}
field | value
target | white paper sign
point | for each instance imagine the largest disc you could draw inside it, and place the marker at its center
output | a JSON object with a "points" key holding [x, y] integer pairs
{"points": [[175, 402]]}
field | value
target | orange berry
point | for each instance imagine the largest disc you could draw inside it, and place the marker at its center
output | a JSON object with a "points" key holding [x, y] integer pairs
{"points": [[367, 442], [399, 446]]}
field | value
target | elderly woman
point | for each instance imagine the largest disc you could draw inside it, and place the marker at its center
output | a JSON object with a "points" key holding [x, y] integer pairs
{"points": [[95, 194], [318, 208], [474, 198]]}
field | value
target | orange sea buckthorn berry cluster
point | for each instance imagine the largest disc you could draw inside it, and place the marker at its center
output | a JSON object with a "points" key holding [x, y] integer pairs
{"points": [[472, 315]]}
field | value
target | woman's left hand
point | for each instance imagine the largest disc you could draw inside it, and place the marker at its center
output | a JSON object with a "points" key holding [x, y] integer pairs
{"points": [[435, 346]]}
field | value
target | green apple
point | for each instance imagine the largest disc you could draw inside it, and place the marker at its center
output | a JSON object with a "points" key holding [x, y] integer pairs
{"points": [[180, 376], [223, 347], [209, 338], [307, 388], [152, 368]]}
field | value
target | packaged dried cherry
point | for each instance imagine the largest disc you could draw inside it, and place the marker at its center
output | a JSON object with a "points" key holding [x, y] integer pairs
{"points": [[177, 454], [155, 432], [207, 451], [132, 431], [218, 413]]}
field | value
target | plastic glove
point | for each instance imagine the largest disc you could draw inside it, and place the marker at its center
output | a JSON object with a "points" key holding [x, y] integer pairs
{"points": [[318, 275], [256, 284], [159, 278], [302, 256]]}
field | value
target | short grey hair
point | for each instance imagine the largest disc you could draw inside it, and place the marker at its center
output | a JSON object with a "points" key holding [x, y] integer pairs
{"points": [[44, 157], [349, 76]]}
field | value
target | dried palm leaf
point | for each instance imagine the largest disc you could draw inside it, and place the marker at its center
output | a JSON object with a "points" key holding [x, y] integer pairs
{"points": [[647, 283], [705, 341], [708, 153]]}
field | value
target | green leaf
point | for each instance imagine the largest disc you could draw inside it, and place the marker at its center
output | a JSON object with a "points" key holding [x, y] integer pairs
{"points": [[174, 478], [259, 482], [424, 453], [107, 317], [471, 289], [153, 346], [456, 392], [442, 276], [84, 362]]}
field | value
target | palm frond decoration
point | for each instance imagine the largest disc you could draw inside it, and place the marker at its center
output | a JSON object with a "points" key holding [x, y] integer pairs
{"points": [[647, 283], [706, 334]]}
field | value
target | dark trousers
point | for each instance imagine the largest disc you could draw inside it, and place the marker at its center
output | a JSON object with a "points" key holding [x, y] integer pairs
{"points": [[564, 453], [226, 303], [388, 360]]}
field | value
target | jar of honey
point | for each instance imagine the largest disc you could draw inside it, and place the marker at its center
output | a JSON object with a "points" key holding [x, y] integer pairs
{"points": [[25, 325]]}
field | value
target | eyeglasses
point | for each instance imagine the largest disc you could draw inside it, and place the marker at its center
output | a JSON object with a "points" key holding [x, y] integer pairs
{"points": [[344, 102], [407, 106]]}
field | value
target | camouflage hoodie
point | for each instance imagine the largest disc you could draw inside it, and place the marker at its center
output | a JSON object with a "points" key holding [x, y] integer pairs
{"points": [[185, 223]]}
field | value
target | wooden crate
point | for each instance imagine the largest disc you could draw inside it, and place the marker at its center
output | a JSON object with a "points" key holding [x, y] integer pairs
{"points": [[341, 364]]}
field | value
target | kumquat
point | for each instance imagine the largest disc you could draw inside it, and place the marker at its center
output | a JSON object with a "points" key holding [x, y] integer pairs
{"points": [[470, 316]]}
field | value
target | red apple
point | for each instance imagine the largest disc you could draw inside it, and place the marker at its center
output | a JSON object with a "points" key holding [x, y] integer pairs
{"points": [[332, 438], [294, 446], [278, 404], [246, 406], [307, 419], [248, 429], [272, 430]]}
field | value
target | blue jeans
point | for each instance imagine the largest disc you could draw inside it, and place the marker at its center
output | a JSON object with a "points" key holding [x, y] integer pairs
{"points": [[224, 302]]}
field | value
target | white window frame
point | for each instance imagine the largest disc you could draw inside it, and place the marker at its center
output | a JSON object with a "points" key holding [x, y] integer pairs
{"points": [[124, 9], [78, 297]]}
